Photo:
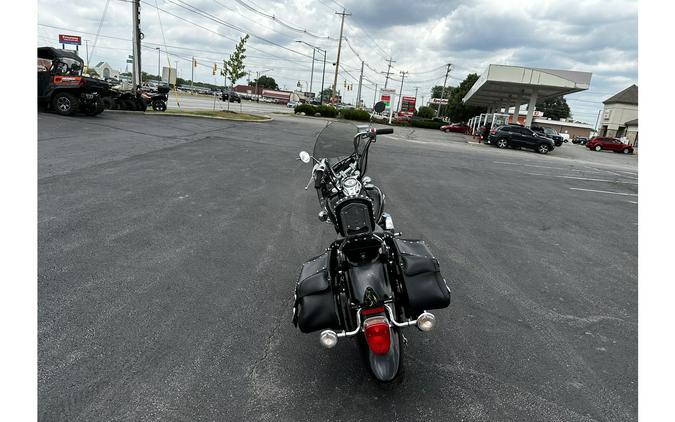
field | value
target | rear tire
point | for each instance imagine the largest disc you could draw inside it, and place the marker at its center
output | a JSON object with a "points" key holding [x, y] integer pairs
{"points": [[543, 149], [159, 105], [65, 104], [96, 108], [502, 143], [129, 105]]}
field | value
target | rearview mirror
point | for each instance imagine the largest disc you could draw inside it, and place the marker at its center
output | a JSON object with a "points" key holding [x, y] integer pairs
{"points": [[304, 156]]}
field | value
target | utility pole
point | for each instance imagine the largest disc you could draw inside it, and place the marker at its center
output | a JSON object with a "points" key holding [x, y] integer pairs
{"points": [[416, 88], [440, 106], [375, 96], [388, 71], [311, 76], [358, 94], [400, 95], [136, 77], [86, 44], [192, 77], [337, 62]]}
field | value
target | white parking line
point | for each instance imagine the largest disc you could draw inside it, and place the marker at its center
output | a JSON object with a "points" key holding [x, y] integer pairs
{"points": [[584, 178], [529, 165], [595, 170], [604, 191]]}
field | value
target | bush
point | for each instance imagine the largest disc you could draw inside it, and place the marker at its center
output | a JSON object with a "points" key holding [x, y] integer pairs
{"points": [[426, 112], [355, 114], [308, 109], [429, 124], [327, 111]]}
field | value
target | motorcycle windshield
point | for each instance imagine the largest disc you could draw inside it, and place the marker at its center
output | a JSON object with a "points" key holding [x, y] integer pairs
{"points": [[336, 141]]}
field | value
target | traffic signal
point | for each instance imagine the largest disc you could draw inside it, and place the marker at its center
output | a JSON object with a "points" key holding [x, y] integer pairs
{"points": [[194, 62], [215, 68]]}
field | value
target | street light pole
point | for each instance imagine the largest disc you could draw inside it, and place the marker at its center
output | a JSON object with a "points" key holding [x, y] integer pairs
{"points": [[323, 74], [159, 61]]}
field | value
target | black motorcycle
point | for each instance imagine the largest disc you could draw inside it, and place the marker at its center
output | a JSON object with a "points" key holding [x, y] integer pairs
{"points": [[369, 283]]}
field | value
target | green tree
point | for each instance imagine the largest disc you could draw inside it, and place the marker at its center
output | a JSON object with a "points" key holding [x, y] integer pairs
{"points": [[436, 92], [328, 93], [456, 110], [233, 68], [426, 112], [554, 107], [265, 82]]}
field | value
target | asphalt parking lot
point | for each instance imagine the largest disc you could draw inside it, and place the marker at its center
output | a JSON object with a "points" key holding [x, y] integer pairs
{"points": [[168, 249]]}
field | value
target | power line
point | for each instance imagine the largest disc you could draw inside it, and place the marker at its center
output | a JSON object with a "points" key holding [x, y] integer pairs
{"points": [[281, 22], [196, 10], [218, 53]]}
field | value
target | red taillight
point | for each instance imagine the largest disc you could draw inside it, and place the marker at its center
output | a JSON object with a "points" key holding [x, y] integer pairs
{"points": [[493, 131], [376, 330]]}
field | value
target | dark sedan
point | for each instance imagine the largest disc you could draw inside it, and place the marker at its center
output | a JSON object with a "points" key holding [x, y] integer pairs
{"points": [[549, 133]]}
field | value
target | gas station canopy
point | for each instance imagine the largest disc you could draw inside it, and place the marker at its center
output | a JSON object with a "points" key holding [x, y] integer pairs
{"points": [[508, 85], [504, 86]]}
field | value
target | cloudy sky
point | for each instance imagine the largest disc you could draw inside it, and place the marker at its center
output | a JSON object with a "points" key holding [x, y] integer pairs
{"points": [[420, 36]]}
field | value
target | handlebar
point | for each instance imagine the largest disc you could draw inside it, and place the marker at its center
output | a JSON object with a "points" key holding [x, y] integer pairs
{"points": [[384, 131]]}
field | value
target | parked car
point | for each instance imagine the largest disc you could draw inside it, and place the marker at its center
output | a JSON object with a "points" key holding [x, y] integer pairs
{"points": [[315, 102], [455, 127], [580, 140], [292, 104], [520, 137], [599, 143], [231, 96], [549, 133]]}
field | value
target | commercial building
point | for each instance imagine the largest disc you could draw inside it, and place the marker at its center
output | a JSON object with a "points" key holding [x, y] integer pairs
{"points": [[573, 129], [106, 71], [619, 111]]}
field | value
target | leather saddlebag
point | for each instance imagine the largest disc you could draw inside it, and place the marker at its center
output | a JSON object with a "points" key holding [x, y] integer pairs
{"points": [[315, 307], [426, 289]]}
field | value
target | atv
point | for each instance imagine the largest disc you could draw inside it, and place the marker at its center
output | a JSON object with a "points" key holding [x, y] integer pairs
{"points": [[63, 89]]}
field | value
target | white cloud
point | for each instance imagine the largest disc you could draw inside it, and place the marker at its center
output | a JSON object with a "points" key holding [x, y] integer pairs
{"points": [[596, 36]]}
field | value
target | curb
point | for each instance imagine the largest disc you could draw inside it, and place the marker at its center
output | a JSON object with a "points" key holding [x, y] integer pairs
{"points": [[159, 113]]}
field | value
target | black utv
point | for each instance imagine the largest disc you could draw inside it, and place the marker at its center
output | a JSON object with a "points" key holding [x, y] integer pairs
{"points": [[62, 87]]}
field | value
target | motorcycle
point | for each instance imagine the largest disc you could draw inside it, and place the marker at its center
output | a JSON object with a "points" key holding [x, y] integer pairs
{"points": [[370, 283]]}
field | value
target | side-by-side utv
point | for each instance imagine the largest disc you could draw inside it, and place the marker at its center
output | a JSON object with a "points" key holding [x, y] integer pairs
{"points": [[61, 86]]}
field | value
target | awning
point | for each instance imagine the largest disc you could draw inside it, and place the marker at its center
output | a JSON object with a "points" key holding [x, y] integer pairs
{"points": [[508, 85]]}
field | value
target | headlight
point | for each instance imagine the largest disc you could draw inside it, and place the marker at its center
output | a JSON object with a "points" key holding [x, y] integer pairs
{"points": [[351, 186]]}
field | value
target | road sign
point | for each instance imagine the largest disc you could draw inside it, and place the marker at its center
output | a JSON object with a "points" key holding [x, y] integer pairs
{"points": [[386, 96], [439, 101], [408, 106], [70, 39]]}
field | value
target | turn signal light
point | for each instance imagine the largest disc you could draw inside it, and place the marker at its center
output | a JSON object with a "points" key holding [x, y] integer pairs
{"points": [[376, 330], [328, 339], [426, 321]]}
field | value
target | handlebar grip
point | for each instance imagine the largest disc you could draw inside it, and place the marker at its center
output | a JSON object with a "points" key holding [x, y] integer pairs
{"points": [[384, 131]]}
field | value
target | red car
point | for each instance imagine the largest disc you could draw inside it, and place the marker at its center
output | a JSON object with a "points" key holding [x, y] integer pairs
{"points": [[599, 143], [455, 127]]}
